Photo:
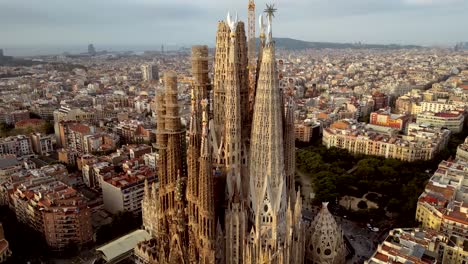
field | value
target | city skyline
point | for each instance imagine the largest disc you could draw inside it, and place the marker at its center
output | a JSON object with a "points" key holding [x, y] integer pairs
{"points": [[117, 25]]}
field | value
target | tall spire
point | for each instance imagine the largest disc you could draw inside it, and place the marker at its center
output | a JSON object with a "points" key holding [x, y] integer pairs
{"points": [[252, 60], [233, 132], [193, 153], [206, 230], [236, 218], [267, 172]]}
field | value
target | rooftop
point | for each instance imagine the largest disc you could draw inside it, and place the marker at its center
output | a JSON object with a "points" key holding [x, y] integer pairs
{"points": [[122, 245]]}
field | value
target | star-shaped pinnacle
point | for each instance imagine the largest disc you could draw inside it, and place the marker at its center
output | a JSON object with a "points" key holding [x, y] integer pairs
{"points": [[270, 10]]}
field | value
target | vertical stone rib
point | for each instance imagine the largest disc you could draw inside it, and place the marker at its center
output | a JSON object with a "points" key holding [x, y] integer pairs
{"points": [[267, 149], [233, 132], [289, 144], [221, 53], [206, 181], [193, 154]]}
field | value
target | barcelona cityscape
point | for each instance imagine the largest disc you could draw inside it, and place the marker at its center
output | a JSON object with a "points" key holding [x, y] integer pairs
{"points": [[234, 131]]}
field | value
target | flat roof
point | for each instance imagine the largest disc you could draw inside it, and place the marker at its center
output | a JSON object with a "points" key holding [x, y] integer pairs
{"points": [[123, 244]]}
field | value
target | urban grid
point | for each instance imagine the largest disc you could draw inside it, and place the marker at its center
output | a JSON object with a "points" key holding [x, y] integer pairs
{"points": [[257, 149]]}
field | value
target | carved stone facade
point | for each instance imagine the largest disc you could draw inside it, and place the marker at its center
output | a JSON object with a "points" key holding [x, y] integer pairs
{"points": [[258, 218], [325, 243]]}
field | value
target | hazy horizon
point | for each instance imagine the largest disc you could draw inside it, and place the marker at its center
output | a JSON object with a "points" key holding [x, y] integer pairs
{"points": [[39, 27]]}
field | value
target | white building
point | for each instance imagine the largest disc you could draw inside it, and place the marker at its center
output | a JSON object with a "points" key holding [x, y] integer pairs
{"points": [[438, 106], [452, 120], [149, 72], [17, 145], [125, 192]]}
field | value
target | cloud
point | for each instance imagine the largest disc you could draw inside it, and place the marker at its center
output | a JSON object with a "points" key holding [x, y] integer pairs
{"points": [[431, 2], [153, 22]]}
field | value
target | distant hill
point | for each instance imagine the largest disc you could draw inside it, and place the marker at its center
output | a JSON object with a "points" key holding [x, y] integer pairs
{"points": [[294, 44]]}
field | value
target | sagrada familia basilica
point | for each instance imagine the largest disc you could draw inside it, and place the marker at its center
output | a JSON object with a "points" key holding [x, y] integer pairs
{"points": [[226, 191]]}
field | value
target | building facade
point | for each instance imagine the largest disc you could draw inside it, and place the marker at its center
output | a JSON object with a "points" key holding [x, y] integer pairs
{"points": [[442, 205], [418, 144], [419, 245], [17, 145], [42, 144], [51, 207], [462, 150], [125, 191], [453, 120], [385, 118]]}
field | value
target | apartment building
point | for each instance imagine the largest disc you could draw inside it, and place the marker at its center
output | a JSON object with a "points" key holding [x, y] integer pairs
{"points": [[451, 120], [305, 131], [418, 144], [68, 156], [443, 204], [75, 136], [131, 132], [51, 207], [11, 117], [380, 100], [125, 191], [420, 246], [100, 142], [384, 117], [42, 144], [94, 174], [462, 151], [440, 105], [151, 159], [17, 145]]}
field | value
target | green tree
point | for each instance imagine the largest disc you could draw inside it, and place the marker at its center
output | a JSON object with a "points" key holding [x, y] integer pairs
{"points": [[393, 205]]}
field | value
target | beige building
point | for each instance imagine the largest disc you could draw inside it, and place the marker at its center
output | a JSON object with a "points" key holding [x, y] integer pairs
{"points": [[418, 144], [420, 246], [306, 131], [442, 205], [462, 151], [42, 144], [452, 120], [438, 106], [51, 207]]}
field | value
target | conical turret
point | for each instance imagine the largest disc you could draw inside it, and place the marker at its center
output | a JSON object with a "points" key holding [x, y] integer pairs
{"points": [[325, 239]]}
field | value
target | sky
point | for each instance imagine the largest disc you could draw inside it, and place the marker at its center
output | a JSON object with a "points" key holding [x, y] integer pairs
{"points": [[29, 24]]}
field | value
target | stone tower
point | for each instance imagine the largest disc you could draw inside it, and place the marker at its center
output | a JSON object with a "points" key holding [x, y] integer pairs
{"points": [[325, 242], [200, 89], [236, 215], [206, 212], [276, 235], [221, 70], [193, 168], [166, 209]]}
